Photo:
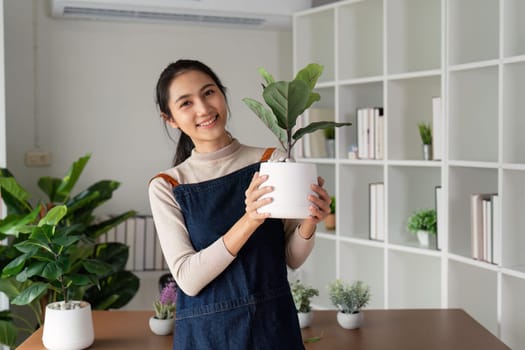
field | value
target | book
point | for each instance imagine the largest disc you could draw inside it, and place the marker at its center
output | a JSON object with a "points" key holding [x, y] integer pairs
{"points": [[380, 133], [476, 225], [439, 215], [437, 128], [377, 211], [373, 211], [496, 230]]}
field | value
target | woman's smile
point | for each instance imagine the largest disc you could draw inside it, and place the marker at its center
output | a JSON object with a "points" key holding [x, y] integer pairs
{"points": [[209, 122]]}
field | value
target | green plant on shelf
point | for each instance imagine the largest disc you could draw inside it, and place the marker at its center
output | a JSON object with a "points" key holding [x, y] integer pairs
{"points": [[425, 131], [423, 220]]}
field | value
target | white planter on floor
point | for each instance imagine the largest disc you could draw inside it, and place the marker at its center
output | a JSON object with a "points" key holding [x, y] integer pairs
{"points": [[291, 183], [68, 329]]}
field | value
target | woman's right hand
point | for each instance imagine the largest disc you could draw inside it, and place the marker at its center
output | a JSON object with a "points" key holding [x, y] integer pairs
{"points": [[253, 199]]}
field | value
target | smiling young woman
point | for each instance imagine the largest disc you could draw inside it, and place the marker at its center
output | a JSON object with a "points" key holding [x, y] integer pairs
{"points": [[228, 260]]}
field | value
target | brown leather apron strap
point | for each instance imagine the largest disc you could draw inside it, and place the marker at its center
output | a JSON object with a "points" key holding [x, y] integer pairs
{"points": [[267, 154], [166, 177]]}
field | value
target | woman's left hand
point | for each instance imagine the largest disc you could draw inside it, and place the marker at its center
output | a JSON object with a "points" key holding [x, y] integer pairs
{"points": [[320, 204]]}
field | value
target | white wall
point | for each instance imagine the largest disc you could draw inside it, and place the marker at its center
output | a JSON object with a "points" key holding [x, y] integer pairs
{"points": [[95, 92]]}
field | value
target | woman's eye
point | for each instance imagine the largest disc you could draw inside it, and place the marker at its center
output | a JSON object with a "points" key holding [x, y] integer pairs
{"points": [[185, 103], [209, 92]]}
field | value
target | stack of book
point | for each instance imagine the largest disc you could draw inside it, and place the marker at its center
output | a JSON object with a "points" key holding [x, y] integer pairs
{"points": [[377, 211], [370, 133], [485, 227]]}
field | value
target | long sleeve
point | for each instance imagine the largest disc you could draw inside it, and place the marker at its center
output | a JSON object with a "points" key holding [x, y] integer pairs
{"points": [[297, 248], [192, 270]]}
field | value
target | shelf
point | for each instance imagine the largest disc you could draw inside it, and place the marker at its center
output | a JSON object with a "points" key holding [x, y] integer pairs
{"points": [[408, 276], [473, 31], [398, 55]]}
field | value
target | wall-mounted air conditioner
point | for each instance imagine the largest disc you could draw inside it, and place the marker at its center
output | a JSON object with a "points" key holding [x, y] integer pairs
{"points": [[246, 13]]}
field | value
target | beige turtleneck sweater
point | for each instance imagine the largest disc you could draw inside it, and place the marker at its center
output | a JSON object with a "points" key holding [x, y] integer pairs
{"points": [[193, 270]]}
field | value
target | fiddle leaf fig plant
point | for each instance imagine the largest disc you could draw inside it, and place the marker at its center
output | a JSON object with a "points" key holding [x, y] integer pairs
{"points": [[51, 251], [286, 101]]}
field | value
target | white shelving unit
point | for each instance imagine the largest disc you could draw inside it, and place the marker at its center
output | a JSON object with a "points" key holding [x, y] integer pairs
{"points": [[398, 54]]}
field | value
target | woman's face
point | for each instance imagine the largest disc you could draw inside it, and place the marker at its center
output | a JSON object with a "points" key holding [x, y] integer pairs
{"points": [[199, 109]]}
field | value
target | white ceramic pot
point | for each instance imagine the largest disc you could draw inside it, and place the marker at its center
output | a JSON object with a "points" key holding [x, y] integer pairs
{"points": [[161, 327], [350, 321], [291, 183], [305, 318], [68, 329], [426, 239]]}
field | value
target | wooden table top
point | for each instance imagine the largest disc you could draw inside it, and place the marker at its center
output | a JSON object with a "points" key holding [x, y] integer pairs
{"points": [[381, 329]]}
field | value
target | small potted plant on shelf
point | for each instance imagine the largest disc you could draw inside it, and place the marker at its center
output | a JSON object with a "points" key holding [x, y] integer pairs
{"points": [[286, 101], [163, 321], [329, 135], [349, 300], [329, 221], [301, 297], [423, 223], [425, 132]]}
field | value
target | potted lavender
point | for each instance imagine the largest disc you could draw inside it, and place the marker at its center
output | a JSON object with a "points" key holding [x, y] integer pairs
{"points": [[163, 321]]}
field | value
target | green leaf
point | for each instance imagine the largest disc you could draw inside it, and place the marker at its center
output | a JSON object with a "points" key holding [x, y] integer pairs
{"points": [[15, 224], [97, 267], [49, 186], [79, 279], [114, 253], [34, 291], [15, 266], [71, 178], [287, 100], [95, 231], [34, 269], [15, 205], [9, 184], [316, 126], [123, 284], [53, 216], [52, 271], [268, 78], [8, 332], [268, 118], [310, 74]]}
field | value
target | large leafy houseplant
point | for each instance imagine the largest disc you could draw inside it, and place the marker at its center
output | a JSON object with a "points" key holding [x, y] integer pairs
{"points": [[286, 101], [51, 252]]}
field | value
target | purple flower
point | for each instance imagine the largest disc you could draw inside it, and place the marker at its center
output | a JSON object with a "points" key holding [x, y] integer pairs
{"points": [[168, 294]]}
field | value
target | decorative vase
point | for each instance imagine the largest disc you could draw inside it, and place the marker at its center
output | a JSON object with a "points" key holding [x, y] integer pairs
{"points": [[350, 321], [427, 152], [291, 186], [305, 318], [426, 239], [68, 329], [161, 327], [329, 222]]}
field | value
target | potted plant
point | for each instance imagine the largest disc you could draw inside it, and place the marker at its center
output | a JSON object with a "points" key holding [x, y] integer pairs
{"points": [[286, 101], [423, 223], [329, 221], [301, 297], [329, 135], [349, 300], [163, 321], [94, 273], [425, 132]]}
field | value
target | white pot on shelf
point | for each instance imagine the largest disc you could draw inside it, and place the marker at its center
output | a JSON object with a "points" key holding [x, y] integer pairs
{"points": [[161, 327], [426, 239], [350, 321], [291, 186], [305, 318], [68, 329]]}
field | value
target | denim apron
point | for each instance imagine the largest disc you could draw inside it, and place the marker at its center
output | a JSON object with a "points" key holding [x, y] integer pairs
{"points": [[249, 305]]}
